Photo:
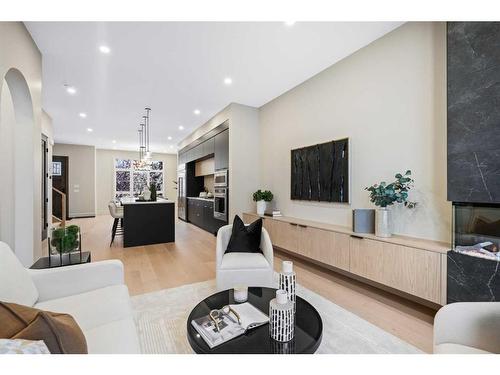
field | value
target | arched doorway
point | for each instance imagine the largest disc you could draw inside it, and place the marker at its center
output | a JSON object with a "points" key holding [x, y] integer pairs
{"points": [[17, 211]]}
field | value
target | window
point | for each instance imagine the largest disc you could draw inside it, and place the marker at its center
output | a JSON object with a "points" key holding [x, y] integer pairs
{"points": [[56, 168], [133, 176]]}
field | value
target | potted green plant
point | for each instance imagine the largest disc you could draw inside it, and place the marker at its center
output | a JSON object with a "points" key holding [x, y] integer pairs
{"points": [[384, 195], [65, 239], [262, 197]]}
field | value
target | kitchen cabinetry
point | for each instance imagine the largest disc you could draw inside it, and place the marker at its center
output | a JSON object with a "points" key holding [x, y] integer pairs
{"points": [[221, 150], [215, 142], [410, 265], [208, 147], [201, 214]]}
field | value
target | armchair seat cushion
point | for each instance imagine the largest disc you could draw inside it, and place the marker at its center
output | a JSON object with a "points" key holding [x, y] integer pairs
{"points": [[450, 348], [94, 308], [240, 261]]}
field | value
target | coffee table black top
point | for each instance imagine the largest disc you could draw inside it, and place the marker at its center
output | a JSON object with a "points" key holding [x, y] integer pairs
{"points": [[308, 327]]}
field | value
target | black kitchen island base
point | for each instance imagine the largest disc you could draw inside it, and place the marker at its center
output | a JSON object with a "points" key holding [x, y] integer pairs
{"points": [[148, 223]]}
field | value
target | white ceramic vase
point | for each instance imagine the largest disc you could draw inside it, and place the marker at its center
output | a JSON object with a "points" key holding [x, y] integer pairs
{"points": [[147, 194], [383, 226], [261, 207]]}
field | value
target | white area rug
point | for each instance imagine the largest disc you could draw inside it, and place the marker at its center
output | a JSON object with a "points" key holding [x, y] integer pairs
{"points": [[161, 323]]}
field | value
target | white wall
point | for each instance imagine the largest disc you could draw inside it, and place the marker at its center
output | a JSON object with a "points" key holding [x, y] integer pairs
{"points": [[82, 178], [105, 170], [244, 158], [389, 98], [20, 71]]}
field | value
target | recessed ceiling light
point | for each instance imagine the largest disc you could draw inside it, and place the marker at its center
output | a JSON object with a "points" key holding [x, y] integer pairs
{"points": [[82, 115], [228, 81], [289, 23], [181, 127], [90, 130], [169, 138], [171, 146], [113, 141], [104, 49], [196, 112], [70, 90]]}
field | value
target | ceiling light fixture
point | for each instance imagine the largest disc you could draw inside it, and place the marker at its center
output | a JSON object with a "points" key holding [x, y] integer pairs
{"points": [[104, 49], [228, 81], [196, 112], [82, 115], [169, 138], [144, 152], [90, 130], [181, 127], [70, 90], [113, 141]]}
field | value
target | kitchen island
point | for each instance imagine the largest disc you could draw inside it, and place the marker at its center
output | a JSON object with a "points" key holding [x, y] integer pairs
{"points": [[147, 223]]}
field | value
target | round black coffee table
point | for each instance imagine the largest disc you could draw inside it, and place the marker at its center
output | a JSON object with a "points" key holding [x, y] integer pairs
{"points": [[308, 327]]}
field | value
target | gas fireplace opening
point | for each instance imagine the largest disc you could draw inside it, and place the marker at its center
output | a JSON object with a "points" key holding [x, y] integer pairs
{"points": [[476, 229]]}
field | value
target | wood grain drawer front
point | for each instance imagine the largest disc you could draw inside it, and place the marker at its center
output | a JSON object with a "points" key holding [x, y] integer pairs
{"points": [[286, 236], [327, 247], [410, 270]]}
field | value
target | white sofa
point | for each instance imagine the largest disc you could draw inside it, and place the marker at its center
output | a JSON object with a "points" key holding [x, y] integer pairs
{"points": [[467, 328], [250, 269], [93, 293]]}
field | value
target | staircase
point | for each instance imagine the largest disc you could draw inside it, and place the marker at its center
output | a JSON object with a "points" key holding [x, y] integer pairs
{"points": [[55, 219]]}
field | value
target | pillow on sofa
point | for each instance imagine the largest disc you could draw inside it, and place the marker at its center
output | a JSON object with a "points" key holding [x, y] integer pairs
{"points": [[245, 239], [60, 332]]}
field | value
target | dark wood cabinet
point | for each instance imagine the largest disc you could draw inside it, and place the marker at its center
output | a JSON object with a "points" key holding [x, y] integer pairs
{"points": [[201, 214], [208, 147], [221, 150]]}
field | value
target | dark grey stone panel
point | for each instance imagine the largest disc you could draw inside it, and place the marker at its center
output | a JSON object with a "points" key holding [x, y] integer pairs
{"points": [[473, 54], [472, 279]]}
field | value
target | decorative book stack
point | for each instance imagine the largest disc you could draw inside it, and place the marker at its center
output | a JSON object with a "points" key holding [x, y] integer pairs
{"points": [[273, 213]]}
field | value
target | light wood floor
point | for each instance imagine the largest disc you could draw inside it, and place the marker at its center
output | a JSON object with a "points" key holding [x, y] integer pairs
{"points": [[192, 259]]}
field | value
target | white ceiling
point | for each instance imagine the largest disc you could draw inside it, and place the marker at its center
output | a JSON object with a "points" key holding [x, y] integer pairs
{"points": [[175, 68]]}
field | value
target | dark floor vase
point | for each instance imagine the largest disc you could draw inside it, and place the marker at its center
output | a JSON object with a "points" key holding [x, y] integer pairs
{"points": [[321, 172]]}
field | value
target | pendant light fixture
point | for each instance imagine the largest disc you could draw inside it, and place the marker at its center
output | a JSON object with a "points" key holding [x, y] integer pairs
{"points": [[145, 153]]}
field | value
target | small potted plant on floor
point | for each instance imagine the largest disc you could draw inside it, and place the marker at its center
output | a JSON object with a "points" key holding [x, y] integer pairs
{"points": [[384, 195], [262, 197]]}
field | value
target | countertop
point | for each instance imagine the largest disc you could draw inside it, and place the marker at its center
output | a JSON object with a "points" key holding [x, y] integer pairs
{"points": [[125, 201], [202, 199], [419, 243]]}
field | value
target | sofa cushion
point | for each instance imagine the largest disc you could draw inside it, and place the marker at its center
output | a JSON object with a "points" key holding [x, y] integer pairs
{"points": [[94, 308], [450, 348], [118, 337], [236, 261], [16, 285], [59, 332], [245, 238]]}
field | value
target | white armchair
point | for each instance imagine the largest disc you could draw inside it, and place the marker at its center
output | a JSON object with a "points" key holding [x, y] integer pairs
{"points": [[251, 269], [94, 294], [467, 328]]}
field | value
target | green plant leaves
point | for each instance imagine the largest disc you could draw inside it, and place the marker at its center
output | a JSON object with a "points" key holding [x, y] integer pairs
{"points": [[384, 194]]}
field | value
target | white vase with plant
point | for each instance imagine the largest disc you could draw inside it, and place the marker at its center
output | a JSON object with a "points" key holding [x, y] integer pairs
{"points": [[384, 195], [262, 198]]}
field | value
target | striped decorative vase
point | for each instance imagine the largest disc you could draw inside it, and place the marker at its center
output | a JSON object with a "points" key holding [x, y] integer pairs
{"points": [[281, 317], [288, 280]]}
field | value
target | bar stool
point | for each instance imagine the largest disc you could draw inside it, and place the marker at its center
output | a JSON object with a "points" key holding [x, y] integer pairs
{"points": [[117, 213]]}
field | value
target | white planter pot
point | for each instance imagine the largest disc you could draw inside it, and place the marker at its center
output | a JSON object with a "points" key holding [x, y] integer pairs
{"points": [[147, 195], [261, 207], [383, 227]]}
